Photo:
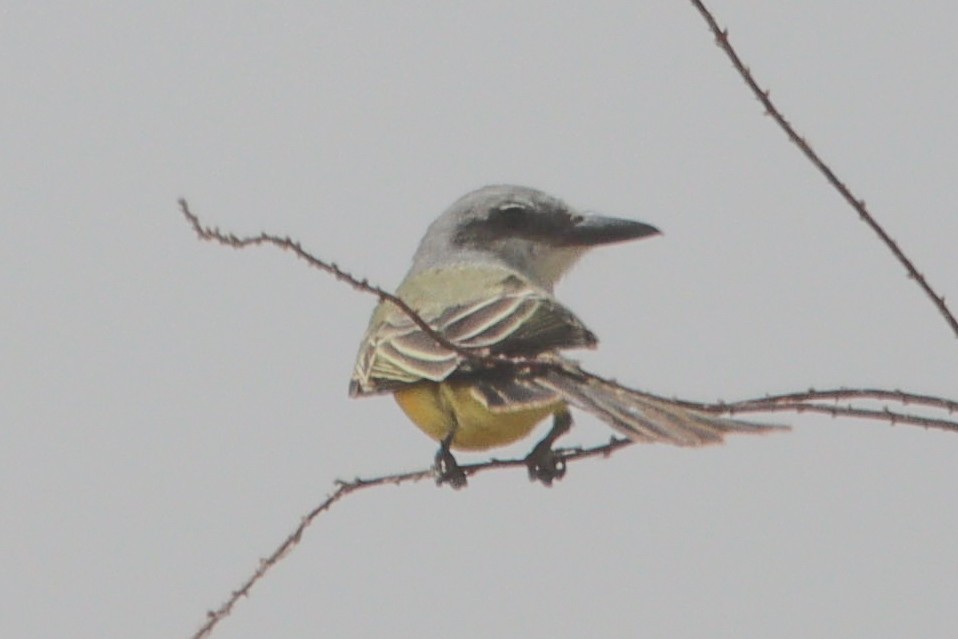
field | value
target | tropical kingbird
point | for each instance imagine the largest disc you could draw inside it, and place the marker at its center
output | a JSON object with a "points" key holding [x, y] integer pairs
{"points": [[482, 278]]}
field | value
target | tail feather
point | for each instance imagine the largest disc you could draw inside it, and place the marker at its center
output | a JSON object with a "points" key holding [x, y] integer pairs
{"points": [[641, 417]]}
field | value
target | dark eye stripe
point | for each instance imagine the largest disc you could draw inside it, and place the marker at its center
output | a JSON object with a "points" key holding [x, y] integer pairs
{"points": [[510, 215]]}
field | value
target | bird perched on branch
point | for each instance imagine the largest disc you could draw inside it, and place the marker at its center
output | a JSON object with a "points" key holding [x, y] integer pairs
{"points": [[482, 280]]}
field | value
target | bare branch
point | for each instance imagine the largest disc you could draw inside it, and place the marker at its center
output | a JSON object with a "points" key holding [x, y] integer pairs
{"points": [[213, 234], [792, 402], [477, 356], [344, 488], [213, 617], [807, 401], [836, 394], [799, 402], [722, 40], [885, 414]]}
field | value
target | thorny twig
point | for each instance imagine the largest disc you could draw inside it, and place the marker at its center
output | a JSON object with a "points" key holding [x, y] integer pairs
{"points": [[807, 401], [763, 95]]}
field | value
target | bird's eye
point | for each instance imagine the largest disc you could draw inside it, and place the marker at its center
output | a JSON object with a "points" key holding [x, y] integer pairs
{"points": [[510, 215]]}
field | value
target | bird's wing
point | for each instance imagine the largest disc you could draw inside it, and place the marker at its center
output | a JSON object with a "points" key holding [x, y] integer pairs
{"points": [[507, 315]]}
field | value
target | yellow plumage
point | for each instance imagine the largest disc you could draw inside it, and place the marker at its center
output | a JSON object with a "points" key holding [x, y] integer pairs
{"points": [[438, 407]]}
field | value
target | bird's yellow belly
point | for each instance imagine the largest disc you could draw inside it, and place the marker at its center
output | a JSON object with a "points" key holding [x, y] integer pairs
{"points": [[438, 407]]}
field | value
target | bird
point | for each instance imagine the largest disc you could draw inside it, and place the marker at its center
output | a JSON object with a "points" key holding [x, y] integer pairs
{"points": [[483, 280]]}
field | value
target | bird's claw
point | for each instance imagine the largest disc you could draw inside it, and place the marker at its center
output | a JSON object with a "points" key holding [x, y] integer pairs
{"points": [[448, 470], [545, 464]]}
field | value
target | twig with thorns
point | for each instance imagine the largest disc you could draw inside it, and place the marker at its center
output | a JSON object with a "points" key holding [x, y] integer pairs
{"points": [[807, 401], [799, 402], [764, 96]]}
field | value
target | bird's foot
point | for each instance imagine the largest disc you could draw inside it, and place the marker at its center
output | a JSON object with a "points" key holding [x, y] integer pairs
{"points": [[545, 464], [448, 470]]}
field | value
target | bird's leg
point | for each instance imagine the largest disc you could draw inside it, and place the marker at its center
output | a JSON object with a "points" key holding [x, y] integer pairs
{"points": [[544, 463], [446, 467]]}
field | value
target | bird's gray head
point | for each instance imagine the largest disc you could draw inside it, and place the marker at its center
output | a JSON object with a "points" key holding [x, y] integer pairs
{"points": [[521, 228]]}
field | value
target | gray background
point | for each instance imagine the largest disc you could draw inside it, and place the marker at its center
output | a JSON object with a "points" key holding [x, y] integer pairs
{"points": [[170, 408]]}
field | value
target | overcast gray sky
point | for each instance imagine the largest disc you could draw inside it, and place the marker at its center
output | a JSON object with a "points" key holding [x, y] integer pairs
{"points": [[171, 408]]}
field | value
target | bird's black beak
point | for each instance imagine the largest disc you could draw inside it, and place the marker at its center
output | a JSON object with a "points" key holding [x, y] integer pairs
{"points": [[595, 230]]}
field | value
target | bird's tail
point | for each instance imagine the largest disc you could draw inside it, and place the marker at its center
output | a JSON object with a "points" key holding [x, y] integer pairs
{"points": [[642, 417]]}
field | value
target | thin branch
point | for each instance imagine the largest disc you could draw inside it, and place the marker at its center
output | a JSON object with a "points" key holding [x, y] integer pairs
{"points": [[807, 401], [213, 234], [479, 357], [810, 395], [722, 39], [344, 488], [793, 402], [893, 417], [213, 617], [837, 394]]}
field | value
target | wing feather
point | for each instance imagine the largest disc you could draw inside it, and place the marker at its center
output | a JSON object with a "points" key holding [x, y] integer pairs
{"points": [[509, 315]]}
